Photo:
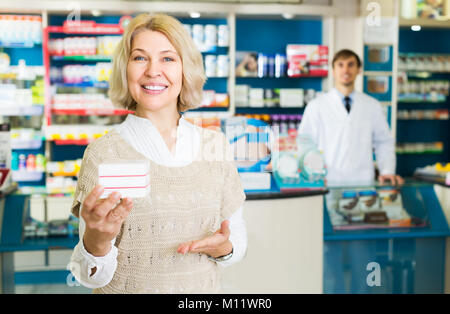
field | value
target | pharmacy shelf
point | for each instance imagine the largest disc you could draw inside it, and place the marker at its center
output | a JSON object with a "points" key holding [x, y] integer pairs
{"points": [[63, 174], [280, 78], [26, 144], [214, 50], [378, 73], [93, 58], [424, 119], [73, 142], [416, 44], [209, 109], [17, 45], [420, 153], [423, 73], [427, 23], [27, 176], [97, 29], [269, 110], [421, 101], [92, 112], [44, 191], [102, 85], [59, 192], [34, 110]]}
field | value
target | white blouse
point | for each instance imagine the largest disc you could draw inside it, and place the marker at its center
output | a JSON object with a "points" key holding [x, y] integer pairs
{"points": [[146, 139]]}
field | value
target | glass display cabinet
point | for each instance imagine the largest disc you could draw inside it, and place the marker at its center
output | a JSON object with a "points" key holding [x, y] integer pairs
{"points": [[384, 239]]}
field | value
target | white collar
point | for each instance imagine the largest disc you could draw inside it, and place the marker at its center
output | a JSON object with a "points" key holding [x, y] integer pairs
{"points": [[341, 96], [146, 139], [146, 123]]}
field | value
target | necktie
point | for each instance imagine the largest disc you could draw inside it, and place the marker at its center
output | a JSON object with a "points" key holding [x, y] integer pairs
{"points": [[347, 101]]}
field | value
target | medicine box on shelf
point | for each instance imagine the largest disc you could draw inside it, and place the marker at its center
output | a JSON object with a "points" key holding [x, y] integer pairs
{"points": [[27, 176], [378, 86], [378, 58], [130, 178]]}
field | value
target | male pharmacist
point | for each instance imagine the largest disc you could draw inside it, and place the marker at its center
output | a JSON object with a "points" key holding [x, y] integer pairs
{"points": [[349, 126]]}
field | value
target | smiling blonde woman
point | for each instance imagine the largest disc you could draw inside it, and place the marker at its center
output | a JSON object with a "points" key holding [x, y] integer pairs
{"points": [[174, 239], [193, 73]]}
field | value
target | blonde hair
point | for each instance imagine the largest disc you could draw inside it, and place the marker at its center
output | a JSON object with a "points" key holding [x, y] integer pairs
{"points": [[193, 72]]}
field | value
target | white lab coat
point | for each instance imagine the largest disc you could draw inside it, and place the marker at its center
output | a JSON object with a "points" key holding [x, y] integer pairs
{"points": [[348, 140]]}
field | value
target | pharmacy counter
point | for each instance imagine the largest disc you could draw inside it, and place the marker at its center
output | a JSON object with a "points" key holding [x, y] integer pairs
{"points": [[432, 179], [442, 190], [397, 257], [14, 209], [285, 243], [284, 235], [253, 196]]}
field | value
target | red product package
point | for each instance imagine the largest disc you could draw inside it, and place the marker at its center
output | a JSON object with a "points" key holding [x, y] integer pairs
{"points": [[307, 60]]}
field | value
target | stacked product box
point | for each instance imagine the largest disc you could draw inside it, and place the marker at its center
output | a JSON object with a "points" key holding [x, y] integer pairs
{"points": [[213, 99], [246, 96], [76, 132], [208, 37], [131, 178], [307, 60], [83, 46], [424, 62], [420, 148], [20, 29], [367, 208], [81, 101]]}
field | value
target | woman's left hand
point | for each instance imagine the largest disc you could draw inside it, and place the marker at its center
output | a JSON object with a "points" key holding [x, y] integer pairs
{"points": [[215, 245]]}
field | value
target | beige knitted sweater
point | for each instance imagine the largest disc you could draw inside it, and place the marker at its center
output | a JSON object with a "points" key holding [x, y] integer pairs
{"points": [[185, 203]]}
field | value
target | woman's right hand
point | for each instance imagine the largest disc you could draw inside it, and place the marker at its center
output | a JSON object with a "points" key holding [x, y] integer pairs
{"points": [[103, 218]]}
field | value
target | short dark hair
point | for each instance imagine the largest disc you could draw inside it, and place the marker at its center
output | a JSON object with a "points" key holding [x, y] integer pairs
{"points": [[345, 54]]}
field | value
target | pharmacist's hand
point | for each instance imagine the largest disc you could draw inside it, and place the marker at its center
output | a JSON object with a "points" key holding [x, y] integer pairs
{"points": [[215, 245], [393, 178], [103, 218]]}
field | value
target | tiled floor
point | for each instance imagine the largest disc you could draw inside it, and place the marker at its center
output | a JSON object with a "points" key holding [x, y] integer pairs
{"points": [[51, 289]]}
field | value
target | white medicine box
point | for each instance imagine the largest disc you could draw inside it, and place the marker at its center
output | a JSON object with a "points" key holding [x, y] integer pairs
{"points": [[131, 178]]}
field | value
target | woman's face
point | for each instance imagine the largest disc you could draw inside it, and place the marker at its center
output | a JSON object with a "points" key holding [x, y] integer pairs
{"points": [[154, 71]]}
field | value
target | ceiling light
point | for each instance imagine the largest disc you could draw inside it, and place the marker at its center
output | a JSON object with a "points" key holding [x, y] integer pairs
{"points": [[416, 28], [195, 15], [96, 12], [287, 16]]}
